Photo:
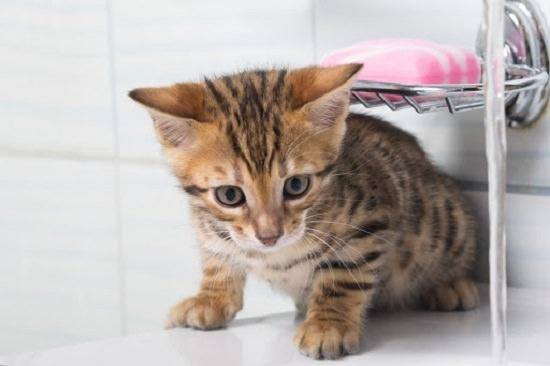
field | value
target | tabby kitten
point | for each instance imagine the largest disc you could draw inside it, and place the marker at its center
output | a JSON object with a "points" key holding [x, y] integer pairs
{"points": [[341, 212]]}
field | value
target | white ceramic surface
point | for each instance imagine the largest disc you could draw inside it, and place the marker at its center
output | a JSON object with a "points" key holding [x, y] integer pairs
{"points": [[414, 338]]}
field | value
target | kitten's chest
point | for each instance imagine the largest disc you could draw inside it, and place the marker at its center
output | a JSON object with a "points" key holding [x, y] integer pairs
{"points": [[294, 281]]}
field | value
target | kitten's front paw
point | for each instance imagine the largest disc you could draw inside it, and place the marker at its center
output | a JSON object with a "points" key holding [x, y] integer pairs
{"points": [[326, 339], [203, 312]]}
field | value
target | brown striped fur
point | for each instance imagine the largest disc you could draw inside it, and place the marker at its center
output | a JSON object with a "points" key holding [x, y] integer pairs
{"points": [[380, 226]]}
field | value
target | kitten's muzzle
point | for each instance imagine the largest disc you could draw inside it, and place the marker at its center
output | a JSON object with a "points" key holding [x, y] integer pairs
{"points": [[268, 240]]}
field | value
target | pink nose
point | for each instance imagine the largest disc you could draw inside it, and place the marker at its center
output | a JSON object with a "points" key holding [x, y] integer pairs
{"points": [[268, 240]]}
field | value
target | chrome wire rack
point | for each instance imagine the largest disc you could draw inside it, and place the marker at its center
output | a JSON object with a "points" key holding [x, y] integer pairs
{"points": [[527, 50]]}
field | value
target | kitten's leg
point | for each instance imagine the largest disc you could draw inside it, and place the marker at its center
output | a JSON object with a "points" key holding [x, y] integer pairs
{"points": [[342, 291], [460, 294], [301, 307], [219, 299]]}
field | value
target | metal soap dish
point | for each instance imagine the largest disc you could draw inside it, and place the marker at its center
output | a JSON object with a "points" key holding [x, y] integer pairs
{"points": [[527, 55]]}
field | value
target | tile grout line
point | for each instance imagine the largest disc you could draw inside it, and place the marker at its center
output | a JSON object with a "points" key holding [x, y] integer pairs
{"points": [[468, 185], [75, 156], [121, 263], [314, 29]]}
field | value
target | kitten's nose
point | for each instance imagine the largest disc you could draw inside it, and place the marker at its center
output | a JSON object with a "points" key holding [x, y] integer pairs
{"points": [[268, 240], [268, 227]]}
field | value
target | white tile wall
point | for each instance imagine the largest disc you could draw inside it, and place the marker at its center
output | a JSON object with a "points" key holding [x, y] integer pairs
{"points": [[59, 279], [159, 245], [167, 41], [528, 238], [58, 262], [55, 94]]}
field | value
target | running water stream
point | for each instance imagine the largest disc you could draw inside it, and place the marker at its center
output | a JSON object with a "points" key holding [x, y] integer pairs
{"points": [[495, 137]]}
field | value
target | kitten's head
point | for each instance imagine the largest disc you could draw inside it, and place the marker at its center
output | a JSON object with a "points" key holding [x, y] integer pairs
{"points": [[254, 149]]}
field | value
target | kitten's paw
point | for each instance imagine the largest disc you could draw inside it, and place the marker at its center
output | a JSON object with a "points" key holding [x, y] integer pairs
{"points": [[460, 294], [326, 339], [203, 312]]}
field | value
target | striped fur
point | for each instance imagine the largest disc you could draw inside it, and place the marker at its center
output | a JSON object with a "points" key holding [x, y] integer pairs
{"points": [[380, 226]]}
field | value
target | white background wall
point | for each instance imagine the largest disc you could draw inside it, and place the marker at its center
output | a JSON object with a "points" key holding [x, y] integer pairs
{"points": [[94, 236]]}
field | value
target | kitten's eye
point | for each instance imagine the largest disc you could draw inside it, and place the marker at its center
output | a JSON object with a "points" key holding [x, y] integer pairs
{"points": [[229, 196], [296, 186]]}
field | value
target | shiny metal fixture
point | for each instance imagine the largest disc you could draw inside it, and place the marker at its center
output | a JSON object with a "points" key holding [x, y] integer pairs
{"points": [[527, 86]]}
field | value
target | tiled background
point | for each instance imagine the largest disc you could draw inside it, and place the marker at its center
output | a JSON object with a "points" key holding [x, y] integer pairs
{"points": [[94, 240]]}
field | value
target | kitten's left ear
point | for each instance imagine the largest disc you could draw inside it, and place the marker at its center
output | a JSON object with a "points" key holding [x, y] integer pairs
{"points": [[176, 110], [323, 92]]}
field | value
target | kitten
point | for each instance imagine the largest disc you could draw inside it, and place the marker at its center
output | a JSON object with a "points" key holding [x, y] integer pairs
{"points": [[341, 212]]}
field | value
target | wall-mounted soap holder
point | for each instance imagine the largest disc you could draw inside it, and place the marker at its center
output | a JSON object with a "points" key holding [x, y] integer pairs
{"points": [[527, 50]]}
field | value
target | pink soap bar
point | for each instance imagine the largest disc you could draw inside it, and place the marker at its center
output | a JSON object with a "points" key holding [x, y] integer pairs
{"points": [[409, 61]]}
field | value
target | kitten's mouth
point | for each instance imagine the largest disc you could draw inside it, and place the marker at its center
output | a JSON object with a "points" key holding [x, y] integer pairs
{"points": [[290, 239]]}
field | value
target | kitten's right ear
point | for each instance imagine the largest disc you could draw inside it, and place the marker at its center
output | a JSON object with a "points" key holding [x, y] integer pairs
{"points": [[175, 110], [323, 91]]}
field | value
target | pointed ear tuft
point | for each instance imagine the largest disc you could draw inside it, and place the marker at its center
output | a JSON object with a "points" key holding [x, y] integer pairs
{"points": [[174, 109], [310, 83], [323, 92], [179, 100]]}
